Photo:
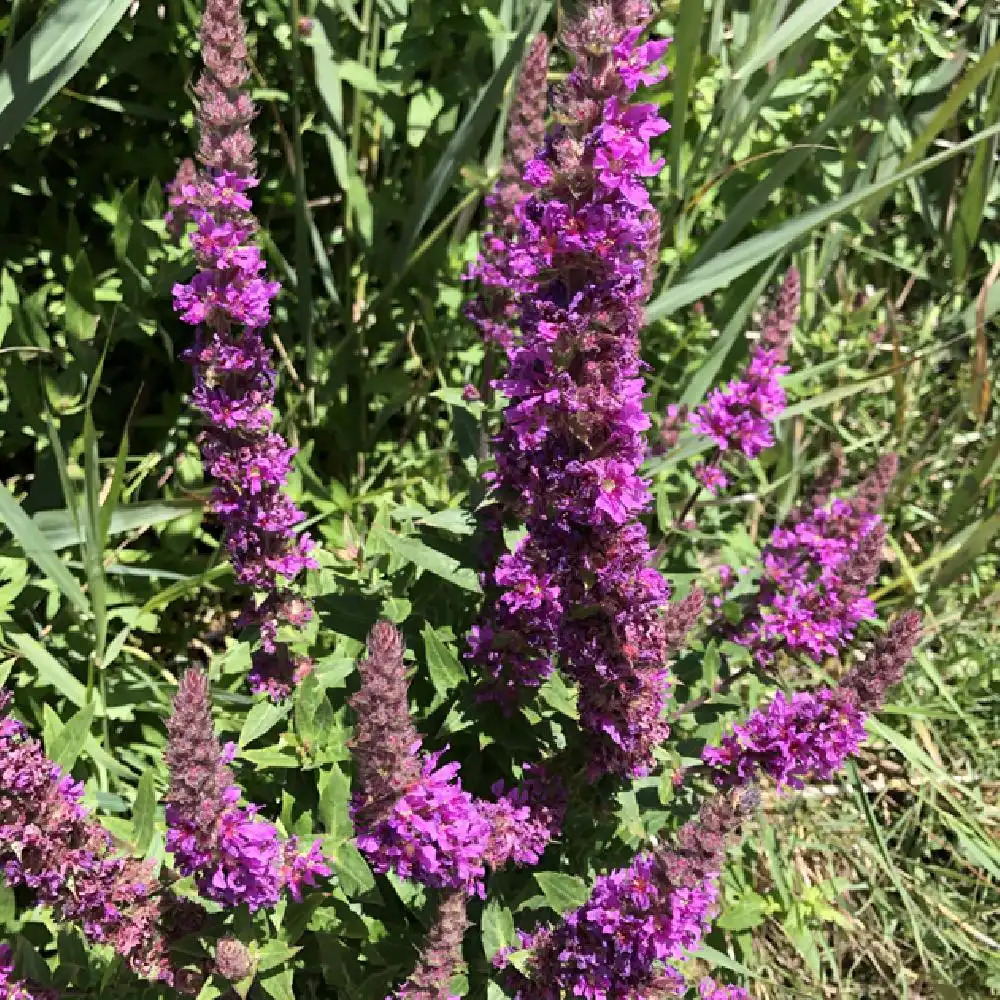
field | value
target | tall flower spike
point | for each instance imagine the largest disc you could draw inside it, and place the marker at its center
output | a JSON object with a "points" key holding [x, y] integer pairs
{"points": [[884, 666], [53, 849], [441, 958], [639, 919], [228, 301], [809, 736], [493, 309], [817, 568], [740, 415], [411, 816], [234, 855], [579, 588]]}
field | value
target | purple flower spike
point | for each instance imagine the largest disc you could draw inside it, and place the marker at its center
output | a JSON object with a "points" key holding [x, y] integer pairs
{"points": [[234, 855], [441, 958], [412, 817], [229, 301], [54, 850], [806, 737], [638, 920], [739, 416], [573, 268]]}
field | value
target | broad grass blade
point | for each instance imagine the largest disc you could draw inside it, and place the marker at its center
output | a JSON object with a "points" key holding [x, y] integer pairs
{"points": [[738, 260], [49, 56]]}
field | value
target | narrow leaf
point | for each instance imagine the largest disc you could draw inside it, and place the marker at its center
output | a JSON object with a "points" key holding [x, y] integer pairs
{"points": [[38, 550]]}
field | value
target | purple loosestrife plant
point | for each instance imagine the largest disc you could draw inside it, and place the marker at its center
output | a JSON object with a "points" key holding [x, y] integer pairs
{"points": [[411, 816], [494, 310], [816, 571], [575, 267], [234, 855], [53, 849], [638, 920], [810, 735], [228, 301], [740, 415], [441, 957], [708, 989]]}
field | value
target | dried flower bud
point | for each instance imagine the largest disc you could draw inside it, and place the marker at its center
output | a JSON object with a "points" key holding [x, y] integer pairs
{"points": [[233, 960]]}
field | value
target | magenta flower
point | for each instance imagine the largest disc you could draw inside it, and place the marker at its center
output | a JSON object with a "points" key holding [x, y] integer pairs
{"points": [[739, 416], [60, 856], [708, 990], [805, 737], [229, 301], [572, 268], [638, 921], [235, 855]]}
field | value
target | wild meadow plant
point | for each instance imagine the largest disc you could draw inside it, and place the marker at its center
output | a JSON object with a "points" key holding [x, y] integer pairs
{"points": [[573, 592]]}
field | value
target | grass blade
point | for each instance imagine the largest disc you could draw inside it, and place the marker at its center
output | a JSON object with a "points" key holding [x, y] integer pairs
{"points": [[687, 42], [465, 136], [35, 546], [804, 19], [739, 259], [49, 55]]}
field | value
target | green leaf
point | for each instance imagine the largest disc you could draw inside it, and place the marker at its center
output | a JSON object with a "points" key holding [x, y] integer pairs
{"points": [[443, 665], [562, 892], [93, 548], [49, 671], [81, 307], [49, 55], [803, 19], [68, 743], [463, 139], [498, 928], [353, 873], [728, 266], [38, 550], [558, 695], [275, 953], [748, 912], [279, 985], [60, 531], [687, 43], [718, 959], [334, 796], [144, 813], [262, 718], [414, 551]]}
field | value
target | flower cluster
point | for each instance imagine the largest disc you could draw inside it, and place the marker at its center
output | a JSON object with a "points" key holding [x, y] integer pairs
{"points": [[434, 834], [809, 735], [441, 957], [709, 990], [229, 302], [806, 736], [235, 856], [411, 816], [575, 268], [494, 310], [638, 919], [50, 846], [739, 416], [524, 819], [816, 570]]}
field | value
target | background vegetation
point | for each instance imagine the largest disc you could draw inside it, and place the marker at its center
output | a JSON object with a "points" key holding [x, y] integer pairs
{"points": [[855, 138]]}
